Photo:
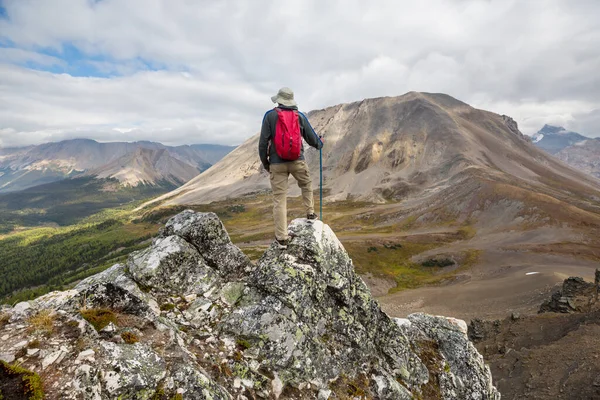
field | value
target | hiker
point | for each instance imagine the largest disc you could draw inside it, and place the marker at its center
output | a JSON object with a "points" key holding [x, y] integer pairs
{"points": [[281, 153]]}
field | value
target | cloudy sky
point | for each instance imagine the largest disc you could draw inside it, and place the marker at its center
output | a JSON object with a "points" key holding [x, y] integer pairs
{"points": [[184, 71]]}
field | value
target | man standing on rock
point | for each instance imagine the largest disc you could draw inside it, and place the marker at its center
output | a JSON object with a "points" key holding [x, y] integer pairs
{"points": [[281, 153]]}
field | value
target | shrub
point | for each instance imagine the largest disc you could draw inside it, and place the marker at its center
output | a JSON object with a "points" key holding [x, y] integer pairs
{"points": [[443, 262], [4, 318], [29, 386], [167, 307], [394, 246], [130, 337], [43, 322], [99, 317]]}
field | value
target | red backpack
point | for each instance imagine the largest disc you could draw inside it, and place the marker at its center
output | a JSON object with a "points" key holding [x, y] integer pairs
{"points": [[288, 140]]}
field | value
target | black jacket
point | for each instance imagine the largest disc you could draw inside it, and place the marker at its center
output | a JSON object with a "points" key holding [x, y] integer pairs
{"points": [[267, 133]]}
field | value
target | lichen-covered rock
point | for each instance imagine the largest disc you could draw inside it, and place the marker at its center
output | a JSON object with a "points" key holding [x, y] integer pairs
{"points": [[206, 232], [191, 316], [171, 266]]}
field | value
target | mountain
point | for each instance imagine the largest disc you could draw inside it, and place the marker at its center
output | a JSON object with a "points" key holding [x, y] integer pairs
{"points": [[424, 150], [584, 156], [191, 316], [427, 169], [25, 167], [555, 138], [148, 167]]}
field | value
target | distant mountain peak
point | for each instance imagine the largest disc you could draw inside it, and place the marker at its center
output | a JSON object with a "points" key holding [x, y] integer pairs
{"points": [[556, 138], [552, 129], [25, 167]]}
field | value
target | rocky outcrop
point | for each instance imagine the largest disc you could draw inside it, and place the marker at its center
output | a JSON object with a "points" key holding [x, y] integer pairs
{"points": [[512, 125], [576, 295], [191, 316]]}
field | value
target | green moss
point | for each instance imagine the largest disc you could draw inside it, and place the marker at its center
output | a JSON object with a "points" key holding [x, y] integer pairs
{"points": [[159, 394], [184, 328], [233, 292], [347, 388], [167, 307], [29, 385], [99, 317], [429, 354], [243, 343]]}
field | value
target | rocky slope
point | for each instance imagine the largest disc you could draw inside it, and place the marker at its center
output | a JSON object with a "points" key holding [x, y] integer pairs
{"points": [[437, 155], [191, 316], [25, 167], [585, 156], [148, 167], [549, 356]]}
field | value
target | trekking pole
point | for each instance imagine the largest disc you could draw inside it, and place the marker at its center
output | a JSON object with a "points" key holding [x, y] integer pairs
{"points": [[321, 183]]}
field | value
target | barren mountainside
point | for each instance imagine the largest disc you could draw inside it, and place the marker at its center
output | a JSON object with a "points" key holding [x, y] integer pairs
{"points": [[148, 167], [437, 156], [25, 167], [584, 156]]}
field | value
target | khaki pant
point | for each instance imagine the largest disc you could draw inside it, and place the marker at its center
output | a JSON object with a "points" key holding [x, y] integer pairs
{"points": [[279, 184]]}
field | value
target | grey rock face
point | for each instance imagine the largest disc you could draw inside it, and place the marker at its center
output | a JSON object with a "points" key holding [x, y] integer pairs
{"points": [[574, 296], [584, 156], [206, 232], [191, 315], [171, 265]]}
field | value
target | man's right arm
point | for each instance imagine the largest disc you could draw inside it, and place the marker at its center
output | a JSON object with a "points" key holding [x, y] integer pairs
{"points": [[263, 142]]}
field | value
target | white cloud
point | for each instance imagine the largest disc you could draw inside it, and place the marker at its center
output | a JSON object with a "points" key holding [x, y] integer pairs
{"points": [[21, 56], [219, 62]]}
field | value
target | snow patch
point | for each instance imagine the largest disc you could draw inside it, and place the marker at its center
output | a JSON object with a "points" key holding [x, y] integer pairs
{"points": [[532, 273]]}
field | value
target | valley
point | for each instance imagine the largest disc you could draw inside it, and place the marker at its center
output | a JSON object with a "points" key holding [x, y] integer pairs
{"points": [[443, 208]]}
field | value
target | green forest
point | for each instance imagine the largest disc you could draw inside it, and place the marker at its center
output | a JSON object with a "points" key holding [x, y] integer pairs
{"points": [[70, 201], [45, 259]]}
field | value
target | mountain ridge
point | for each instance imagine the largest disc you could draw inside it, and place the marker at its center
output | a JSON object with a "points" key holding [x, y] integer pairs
{"points": [[415, 144], [24, 167], [146, 166]]}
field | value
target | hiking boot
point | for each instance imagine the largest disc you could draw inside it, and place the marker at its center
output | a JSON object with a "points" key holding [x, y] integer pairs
{"points": [[282, 244], [312, 216]]}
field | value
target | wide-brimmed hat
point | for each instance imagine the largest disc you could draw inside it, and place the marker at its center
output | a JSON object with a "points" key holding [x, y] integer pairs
{"points": [[285, 97]]}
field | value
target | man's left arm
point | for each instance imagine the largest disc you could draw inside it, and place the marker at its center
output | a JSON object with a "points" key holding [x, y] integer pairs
{"points": [[309, 133]]}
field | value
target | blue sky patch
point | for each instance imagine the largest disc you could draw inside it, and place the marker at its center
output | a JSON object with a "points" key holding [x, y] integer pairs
{"points": [[3, 13], [77, 63]]}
